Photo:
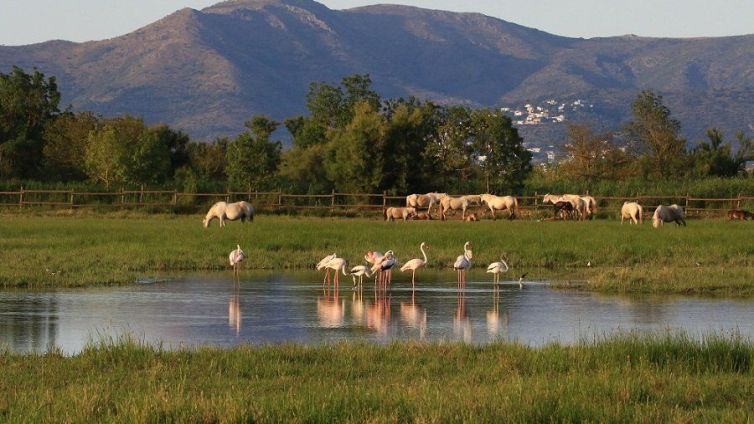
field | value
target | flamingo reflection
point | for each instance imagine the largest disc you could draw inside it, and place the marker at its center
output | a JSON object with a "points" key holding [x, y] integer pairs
{"points": [[414, 316], [378, 312], [234, 310], [358, 310], [494, 320], [331, 310], [461, 321]]}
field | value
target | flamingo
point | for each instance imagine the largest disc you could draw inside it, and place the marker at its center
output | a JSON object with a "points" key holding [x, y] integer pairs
{"points": [[496, 268], [386, 265], [373, 256], [323, 264], [235, 258], [521, 280], [337, 264], [415, 264], [360, 271], [463, 263]]}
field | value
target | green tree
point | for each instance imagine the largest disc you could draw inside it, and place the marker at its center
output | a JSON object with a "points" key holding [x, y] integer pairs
{"points": [[656, 134], [147, 160], [716, 158], [303, 170], [65, 140], [592, 156], [448, 151], [252, 159], [105, 156], [500, 151], [27, 103], [209, 160], [409, 126], [354, 157]]}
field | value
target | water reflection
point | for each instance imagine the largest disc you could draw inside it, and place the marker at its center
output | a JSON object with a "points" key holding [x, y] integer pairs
{"points": [[331, 310], [495, 322], [378, 312], [234, 310], [414, 316], [274, 307]]}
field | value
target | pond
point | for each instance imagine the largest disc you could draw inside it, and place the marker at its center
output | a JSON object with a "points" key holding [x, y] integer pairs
{"points": [[211, 309]]}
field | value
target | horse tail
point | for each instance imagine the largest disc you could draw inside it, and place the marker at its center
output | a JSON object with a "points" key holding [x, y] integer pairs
{"points": [[515, 208], [385, 212]]}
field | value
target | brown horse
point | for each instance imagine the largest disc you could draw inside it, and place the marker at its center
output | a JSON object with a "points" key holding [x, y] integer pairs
{"points": [[740, 214]]}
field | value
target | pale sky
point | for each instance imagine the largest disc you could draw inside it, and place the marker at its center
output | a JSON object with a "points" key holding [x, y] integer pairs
{"points": [[31, 21]]}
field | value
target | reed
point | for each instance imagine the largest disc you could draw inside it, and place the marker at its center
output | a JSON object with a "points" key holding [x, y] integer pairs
{"points": [[624, 378]]}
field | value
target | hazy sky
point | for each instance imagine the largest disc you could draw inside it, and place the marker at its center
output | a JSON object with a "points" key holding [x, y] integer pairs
{"points": [[30, 21]]}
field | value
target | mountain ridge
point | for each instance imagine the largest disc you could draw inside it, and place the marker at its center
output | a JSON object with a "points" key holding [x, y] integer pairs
{"points": [[207, 71]]}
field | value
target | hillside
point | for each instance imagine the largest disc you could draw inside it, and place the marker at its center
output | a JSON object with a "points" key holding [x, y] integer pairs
{"points": [[207, 71]]}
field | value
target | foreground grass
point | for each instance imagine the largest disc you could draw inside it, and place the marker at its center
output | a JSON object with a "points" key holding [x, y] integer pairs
{"points": [[707, 257], [622, 379]]}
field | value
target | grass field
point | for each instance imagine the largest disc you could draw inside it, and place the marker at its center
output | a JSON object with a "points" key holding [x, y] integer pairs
{"points": [[707, 257], [622, 379]]}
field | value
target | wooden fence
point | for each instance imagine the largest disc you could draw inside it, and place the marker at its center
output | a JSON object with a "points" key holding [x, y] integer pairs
{"points": [[335, 202]]}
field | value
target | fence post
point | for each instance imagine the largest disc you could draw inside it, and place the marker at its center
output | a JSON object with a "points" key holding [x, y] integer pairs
{"points": [[332, 201], [280, 200], [249, 197], [71, 198], [738, 201], [536, 202], [141, 195], [21, 197], [384, 200], [175, 197], [687, 203]]}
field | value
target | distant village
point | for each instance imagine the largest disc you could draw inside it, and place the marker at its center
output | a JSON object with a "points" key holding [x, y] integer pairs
{"points": [[550, 112]]}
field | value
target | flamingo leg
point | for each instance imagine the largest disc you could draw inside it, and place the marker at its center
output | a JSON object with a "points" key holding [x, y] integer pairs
{"points": [[413, 279]]}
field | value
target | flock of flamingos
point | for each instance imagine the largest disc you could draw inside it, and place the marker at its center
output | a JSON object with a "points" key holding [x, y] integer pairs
{"points": [[380, 265]]}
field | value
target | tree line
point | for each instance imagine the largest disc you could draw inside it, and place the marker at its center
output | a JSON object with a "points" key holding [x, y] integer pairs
{"points": [[351, 140]]}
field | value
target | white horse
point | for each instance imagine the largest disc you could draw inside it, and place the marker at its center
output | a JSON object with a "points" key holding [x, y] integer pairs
{"points": [[501, 203], [398, 213], [633, 212], [590, 206], [453, 203], [230, 211], [421, 200], [672, 213]]}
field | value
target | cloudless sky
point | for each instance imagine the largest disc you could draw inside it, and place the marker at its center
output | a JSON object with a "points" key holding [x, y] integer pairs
{"points": [[31, 21]]}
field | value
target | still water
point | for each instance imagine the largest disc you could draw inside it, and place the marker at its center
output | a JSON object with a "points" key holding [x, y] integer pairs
{"points": [[292, 307]]}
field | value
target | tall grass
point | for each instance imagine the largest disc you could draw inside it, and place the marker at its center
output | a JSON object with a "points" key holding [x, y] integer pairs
{"points": [[625, 378], [705, 257]]}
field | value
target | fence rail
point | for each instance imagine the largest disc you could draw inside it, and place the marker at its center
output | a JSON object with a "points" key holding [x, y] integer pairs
{"points": [[277, 201]]}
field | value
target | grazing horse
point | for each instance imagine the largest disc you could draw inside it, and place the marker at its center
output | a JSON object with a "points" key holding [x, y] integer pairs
{"points": [[423, 216], [632, 211], [740, 214], [474, 199], [422, 200], [500, 203], [453, 203], [590, 206], [579, 205], [398, 213], [419, 201], [563, 208], [230, 211], [672, 213]]}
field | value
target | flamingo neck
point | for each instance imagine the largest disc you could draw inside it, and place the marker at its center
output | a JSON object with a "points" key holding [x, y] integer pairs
{"points": [[423, 253]]}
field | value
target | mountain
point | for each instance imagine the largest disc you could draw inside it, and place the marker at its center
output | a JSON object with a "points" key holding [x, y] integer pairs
{"points": [[208, 71]]}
